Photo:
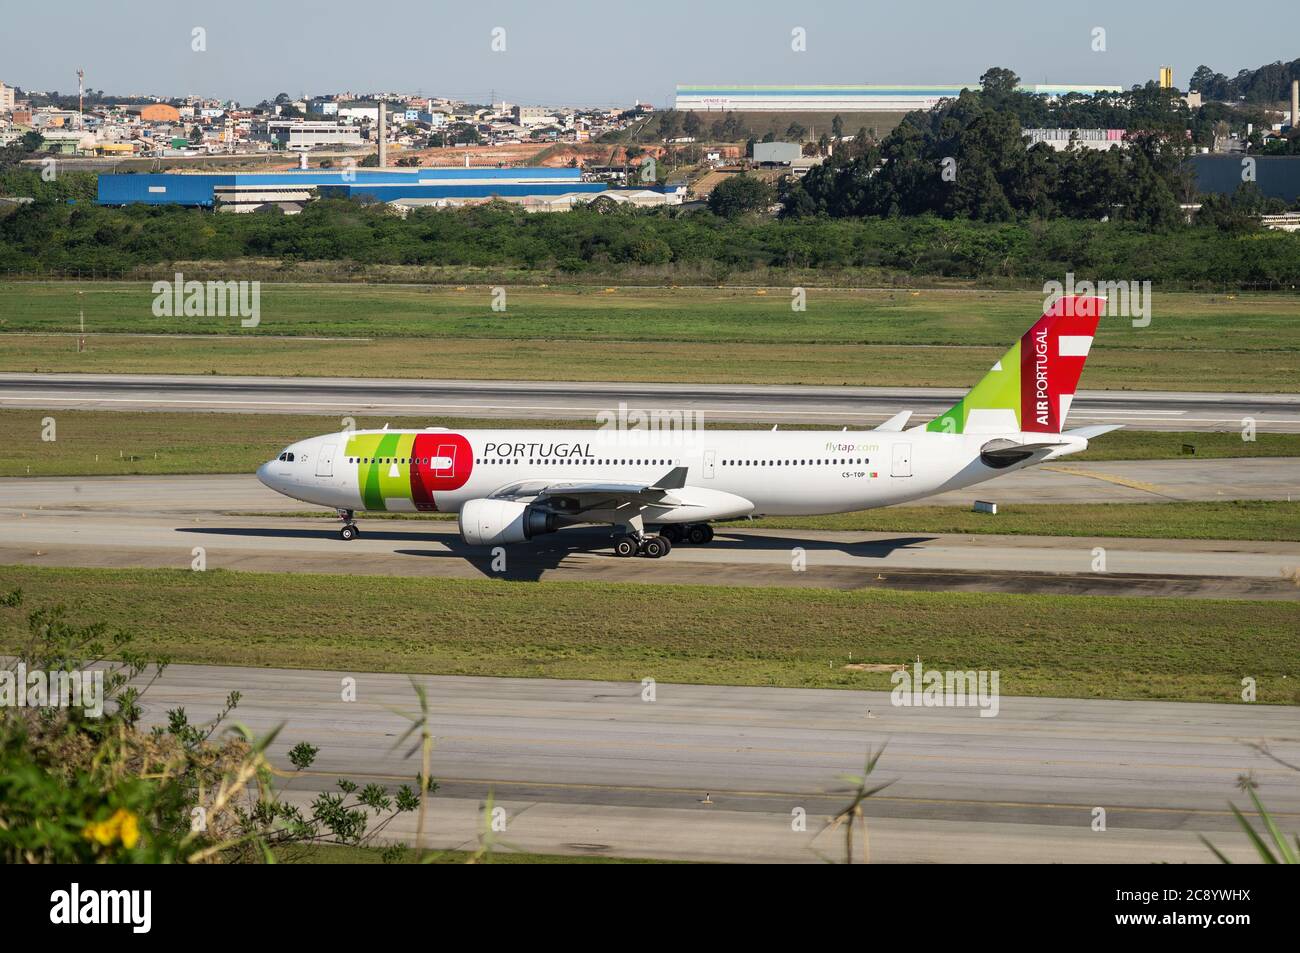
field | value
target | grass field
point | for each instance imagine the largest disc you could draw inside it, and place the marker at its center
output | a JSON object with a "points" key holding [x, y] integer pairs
{"points": [[104, 443], [891, 338], [1090, 647]]}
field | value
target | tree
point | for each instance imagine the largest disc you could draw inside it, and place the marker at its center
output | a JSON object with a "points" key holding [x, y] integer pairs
{"points": [[997, 79], [739, 195]]}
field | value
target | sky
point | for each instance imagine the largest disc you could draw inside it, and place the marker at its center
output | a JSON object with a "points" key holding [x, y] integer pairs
{"points": [[580, 52]]}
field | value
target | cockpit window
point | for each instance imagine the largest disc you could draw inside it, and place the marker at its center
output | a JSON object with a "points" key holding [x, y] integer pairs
{"points": [[285, 457]]}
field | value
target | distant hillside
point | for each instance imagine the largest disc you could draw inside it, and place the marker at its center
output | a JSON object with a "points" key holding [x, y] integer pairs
{"points": [[1268, 84]]}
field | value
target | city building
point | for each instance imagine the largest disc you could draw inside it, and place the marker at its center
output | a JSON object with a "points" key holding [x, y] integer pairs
{"points": [[7, 100], [533, 115], [301, 135], [156, 112]]}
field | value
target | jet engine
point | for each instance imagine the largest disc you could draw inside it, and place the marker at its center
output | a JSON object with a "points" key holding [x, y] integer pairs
{"points": [[485, 522]]}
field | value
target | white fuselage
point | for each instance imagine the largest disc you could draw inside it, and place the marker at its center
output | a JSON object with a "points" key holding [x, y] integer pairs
{"points": [[730, 473]]}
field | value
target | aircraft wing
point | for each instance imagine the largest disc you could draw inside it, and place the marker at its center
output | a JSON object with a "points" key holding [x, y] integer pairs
{"points": [[584, 495]]}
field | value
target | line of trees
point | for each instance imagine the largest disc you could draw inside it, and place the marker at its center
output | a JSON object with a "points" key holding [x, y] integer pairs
{"points": [[968, 159], [52, 235], [1271, 83]]}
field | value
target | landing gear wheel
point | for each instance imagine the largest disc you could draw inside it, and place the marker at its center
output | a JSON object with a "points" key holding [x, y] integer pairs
{"points": [[671, 533], [625, 546], [349, 533], [656, 547], [700, 533]]}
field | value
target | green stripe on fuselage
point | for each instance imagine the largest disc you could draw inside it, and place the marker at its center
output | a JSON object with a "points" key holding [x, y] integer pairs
{"points": [[375, 474]]}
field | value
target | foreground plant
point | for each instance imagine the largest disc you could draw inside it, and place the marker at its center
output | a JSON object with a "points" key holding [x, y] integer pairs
{"points": [[75, 788]]}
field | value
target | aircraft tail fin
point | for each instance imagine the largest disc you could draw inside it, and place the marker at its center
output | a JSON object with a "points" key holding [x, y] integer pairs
{"points": [[1031, 388]]}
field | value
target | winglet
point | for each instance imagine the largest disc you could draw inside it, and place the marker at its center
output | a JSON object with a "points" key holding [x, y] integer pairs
{"points": [[674, 479]]}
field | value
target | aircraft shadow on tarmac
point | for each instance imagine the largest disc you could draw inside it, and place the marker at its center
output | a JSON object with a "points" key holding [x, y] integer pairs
{"points": [[528, 562]]}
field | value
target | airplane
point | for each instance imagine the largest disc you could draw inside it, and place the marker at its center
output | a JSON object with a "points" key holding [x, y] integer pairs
{"points": [[664, 486]]}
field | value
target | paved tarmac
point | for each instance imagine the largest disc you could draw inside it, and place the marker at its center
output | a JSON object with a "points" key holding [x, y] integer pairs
{"points": [[157, 521], [721, 773], [849, 406]]}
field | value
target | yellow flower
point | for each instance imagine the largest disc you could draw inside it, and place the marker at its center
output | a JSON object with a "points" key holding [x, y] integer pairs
{"points": [[99, 831], [130, 830], [123, 825]]}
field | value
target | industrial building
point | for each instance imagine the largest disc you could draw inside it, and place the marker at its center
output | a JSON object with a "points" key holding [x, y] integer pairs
{"points": [[1062, 139], [864, 98], [300, 136], [777, 153], [1278, 177], [290, 190]]}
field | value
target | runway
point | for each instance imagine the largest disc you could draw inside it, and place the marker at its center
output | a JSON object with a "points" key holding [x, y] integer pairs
{"points": [[713, 773], [158, 521], [849, 406]]}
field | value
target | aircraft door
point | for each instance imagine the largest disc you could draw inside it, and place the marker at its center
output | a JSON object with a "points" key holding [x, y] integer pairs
{"points": [[444, 464], [710, 463], [902, 460], [325, 462]]}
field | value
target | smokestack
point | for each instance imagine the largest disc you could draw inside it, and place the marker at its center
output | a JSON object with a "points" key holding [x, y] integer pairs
{"points": [[1295, 104], [383, 136]]}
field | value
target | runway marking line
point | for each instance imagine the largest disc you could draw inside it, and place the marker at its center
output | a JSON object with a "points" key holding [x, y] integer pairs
{"points": [[1108, 478]]}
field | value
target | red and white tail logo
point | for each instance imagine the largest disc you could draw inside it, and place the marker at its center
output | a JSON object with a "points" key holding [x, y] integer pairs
{"points": [[1052, 355]]}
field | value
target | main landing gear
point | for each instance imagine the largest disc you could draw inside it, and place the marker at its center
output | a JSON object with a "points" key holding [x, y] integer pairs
{"points": [[656, 547], [695, 533], [349, 531]]}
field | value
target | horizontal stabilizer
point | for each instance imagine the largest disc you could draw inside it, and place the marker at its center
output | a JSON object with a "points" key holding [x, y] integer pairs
{"points": [[1096, 430], [897, 422]]}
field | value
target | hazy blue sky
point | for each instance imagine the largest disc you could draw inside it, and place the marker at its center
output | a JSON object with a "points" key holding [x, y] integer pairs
{"points": [[608, 53]]}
